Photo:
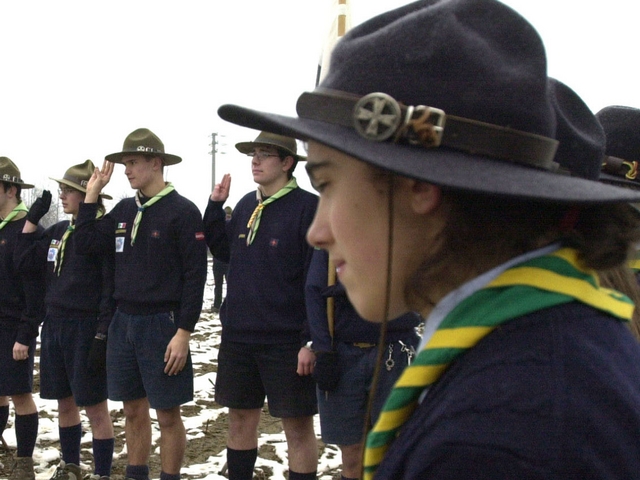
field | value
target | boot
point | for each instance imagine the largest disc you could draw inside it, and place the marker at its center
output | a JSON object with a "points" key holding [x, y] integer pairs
{"points": [[23, 469], [67, 471]]}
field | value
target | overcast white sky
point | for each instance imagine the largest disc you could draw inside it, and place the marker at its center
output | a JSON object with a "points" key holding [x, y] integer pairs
{"points": [[78, 76]]}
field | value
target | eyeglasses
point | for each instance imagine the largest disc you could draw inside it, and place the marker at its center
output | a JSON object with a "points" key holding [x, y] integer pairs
{"points": [[262, 155], [66, 191]]}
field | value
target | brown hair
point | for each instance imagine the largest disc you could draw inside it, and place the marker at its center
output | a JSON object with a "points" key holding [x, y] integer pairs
{"points": [[483, 231], [623, 279], [282, 153], [7, 185]]}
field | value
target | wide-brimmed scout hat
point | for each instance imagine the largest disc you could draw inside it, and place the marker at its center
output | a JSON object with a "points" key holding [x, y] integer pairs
{"points": [[272, 140], [452, 92], [621, 126], [9, 173], [78, 177], [581, 138], [145, 142]]}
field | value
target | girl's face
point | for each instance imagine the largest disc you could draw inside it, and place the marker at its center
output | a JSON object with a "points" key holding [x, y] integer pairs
{"points": [[352, 224], [71, 199]]}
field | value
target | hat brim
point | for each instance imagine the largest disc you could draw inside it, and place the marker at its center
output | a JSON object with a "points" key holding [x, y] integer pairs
{"points": [[78, 187], [441, 166], [24, 186], [615, 180], [248, 147], [167, 157]]}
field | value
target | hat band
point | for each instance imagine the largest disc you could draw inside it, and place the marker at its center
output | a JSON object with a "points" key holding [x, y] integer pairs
{"points": [[76, 180], [379, 117], [11, 178], [621, 167], [143, 149]]}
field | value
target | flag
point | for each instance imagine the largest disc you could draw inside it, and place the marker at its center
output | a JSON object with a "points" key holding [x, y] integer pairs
{"points": [[340, 23]]}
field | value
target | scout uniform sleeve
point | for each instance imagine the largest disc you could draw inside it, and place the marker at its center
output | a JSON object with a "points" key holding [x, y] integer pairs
{"points": [[93, 237], [193, 250], [34, 285], [307, 219], [317, 303], [30, 254], [107, 302], [215, 231]]}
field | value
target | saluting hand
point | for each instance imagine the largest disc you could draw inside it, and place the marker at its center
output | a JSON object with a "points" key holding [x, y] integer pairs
{"points": [[221, 190], [98, 181]]}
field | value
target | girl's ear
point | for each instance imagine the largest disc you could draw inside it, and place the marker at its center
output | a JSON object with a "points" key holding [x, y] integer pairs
{"points": [[425, 197]]}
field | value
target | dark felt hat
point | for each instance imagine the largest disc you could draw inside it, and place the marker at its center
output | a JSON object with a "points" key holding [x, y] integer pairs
{"points": [[273, 140], [452, 92], [580, 136], [622, 128], [143, 141], [78, 177], [9, 173]]}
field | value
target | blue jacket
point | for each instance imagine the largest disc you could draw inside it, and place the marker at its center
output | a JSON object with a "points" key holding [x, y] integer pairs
{"points": [[84, 287], [21, 293], [551, 395], [165, 270], [265, 280]]}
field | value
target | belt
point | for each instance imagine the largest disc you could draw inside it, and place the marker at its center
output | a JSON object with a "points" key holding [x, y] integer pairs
{"points": [[363, 344]]}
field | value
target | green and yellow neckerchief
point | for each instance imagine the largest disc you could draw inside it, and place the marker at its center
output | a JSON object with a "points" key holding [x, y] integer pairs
{"points": [[254, 220], [141, 208], [21, 207], [533, 285], [57, 263]]}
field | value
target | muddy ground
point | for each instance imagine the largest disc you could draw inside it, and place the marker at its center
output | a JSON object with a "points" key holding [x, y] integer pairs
{"points": [[199, 450]]}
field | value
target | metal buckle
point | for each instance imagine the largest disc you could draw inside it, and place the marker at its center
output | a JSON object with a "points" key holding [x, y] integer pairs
{"points": [[376, 116], [422, 126]]}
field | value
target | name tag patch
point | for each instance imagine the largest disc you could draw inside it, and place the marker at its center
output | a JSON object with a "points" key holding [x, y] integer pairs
{"points": [[53, 250]]}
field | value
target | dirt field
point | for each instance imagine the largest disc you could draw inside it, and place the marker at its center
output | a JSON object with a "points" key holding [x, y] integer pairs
{"points": [[207, 438]]}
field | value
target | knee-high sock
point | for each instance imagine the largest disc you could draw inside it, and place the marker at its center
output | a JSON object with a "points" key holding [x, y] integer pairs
{"points": [[137, 472], [103, 456], [70, 438], [240, 463], [4, 417], [26, 434]]}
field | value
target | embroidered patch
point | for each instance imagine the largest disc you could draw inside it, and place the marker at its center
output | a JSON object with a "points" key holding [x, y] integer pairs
{"points": [[199, 235], [121, 225], [274, 242], [242, 235], [54, 242], [119, 244], [52, 254]]}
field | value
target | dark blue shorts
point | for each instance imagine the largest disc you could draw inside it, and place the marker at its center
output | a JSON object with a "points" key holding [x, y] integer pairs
{"points": [[135, 361], [16, 377], [343, 410], [248, 372], [64, 368]]}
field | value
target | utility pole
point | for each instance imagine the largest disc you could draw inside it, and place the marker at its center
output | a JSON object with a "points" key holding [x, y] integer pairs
{"points": [[214, 150]]}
